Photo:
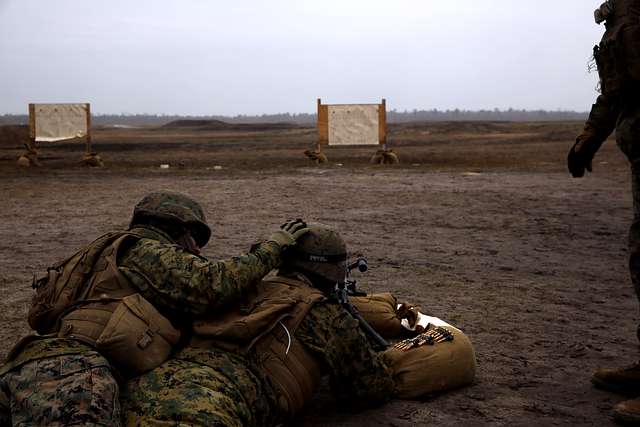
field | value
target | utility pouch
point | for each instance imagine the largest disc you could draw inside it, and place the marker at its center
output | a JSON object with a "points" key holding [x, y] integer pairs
{"points": [[618, 57], [609, 59], [137, 338], [130, 332], [631, 43]]}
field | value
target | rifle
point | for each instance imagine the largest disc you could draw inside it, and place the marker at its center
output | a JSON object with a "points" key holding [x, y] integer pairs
{"points": [[348, 288]]}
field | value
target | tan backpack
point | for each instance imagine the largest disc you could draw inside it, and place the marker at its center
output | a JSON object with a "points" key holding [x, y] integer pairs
{"points": [[63, 285], [88, 299]]}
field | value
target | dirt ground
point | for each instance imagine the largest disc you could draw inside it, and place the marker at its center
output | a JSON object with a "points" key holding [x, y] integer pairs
{"points": [[480, 224]]}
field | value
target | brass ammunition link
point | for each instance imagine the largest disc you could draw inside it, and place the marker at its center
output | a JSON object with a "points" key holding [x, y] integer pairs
{"points": [[431, 336]]}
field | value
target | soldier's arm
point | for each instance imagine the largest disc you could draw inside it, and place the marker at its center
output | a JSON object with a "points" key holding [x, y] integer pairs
{"points": [[179, 281], [356, 369], [601, 122], [602, 119]]}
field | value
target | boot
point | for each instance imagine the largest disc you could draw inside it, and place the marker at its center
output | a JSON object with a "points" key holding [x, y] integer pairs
{"points": [[624, 381], [627, 412]]}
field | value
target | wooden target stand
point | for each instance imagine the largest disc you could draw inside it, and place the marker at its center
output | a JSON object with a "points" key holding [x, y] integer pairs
{"points": [[383, 155], [30, 157]]}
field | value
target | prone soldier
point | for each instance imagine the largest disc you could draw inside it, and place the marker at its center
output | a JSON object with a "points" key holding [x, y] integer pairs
{"points": [[259, 363], [118, 308]]}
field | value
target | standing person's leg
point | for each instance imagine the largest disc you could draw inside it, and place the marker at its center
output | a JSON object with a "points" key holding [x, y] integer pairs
{"points": [[634, 233], [628, 139], [627, 380]]}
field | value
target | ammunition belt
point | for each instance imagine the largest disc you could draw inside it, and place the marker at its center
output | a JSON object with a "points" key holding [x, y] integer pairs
{"points": [[430, 337]]}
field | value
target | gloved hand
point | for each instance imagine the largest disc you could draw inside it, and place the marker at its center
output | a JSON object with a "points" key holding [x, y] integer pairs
{"points": [[581, 155], [289, 232]]}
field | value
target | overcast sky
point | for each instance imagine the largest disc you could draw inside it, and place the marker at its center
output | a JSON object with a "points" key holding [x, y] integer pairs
{"points": [[250, 57]]}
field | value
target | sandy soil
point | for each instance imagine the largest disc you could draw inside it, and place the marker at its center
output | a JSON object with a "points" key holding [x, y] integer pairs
{"points": [[480, 225]]}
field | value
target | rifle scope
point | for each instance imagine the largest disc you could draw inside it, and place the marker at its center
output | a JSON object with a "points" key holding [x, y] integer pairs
{"points": [[360, 264]]}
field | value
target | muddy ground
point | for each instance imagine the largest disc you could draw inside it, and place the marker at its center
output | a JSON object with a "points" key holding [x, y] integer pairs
{"points": [[480, 225]]}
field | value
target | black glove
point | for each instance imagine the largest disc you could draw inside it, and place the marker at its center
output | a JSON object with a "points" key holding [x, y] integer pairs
{"points": [[289, 232], [581, 155], [295, 227]]}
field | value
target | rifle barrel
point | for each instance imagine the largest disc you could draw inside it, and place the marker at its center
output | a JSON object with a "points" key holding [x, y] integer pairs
{"points": [[367, 327]]}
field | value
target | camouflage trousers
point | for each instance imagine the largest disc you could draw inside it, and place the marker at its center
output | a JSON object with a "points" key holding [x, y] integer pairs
{"points": [[628, 139], [198, 388], [67, 390]]}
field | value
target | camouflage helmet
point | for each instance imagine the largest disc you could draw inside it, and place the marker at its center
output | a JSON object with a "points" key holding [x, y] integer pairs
{"points": [[320, 251], [616, 12], [174, 207]]}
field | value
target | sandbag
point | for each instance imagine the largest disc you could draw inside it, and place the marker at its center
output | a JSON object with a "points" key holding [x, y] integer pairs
{"points": [[29, 158], [432, 368], [390, 158], [422, 370], [317, 156], [377, 158], [379, 311], [384, 157], [92, 160]]}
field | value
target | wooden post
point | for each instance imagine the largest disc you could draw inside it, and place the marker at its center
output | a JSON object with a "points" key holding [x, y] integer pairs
{"points": [[31, 145], [88, 109], [323, 123], [318, 144], [382, 123]]}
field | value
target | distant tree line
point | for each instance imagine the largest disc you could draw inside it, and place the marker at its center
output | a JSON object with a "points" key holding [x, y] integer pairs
{"points": [[393, 116], [510, 115]]}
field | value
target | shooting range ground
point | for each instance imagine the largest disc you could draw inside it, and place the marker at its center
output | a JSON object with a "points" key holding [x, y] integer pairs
{"points": [[480, 224]]}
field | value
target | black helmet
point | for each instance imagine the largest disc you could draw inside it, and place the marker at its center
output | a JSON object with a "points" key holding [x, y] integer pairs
{"points": [[174, 207]]}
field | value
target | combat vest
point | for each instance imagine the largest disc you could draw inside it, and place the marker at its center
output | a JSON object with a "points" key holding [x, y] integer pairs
{"points": [[618, 54], [262, 329], [87, 298]]}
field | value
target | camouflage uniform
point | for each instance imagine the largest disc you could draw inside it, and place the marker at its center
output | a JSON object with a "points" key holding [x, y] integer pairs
{"points": [[179, 283], [622, 113], [189, 284], [211, 387], [198, 388], [617, 57], [72, 389]]}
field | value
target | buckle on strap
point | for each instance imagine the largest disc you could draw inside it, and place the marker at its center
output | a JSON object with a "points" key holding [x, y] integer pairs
{"points": [[145, 339]]}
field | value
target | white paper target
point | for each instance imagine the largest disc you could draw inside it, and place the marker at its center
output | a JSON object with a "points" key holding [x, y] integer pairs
{"points": [[57, 122], [355, 124]]}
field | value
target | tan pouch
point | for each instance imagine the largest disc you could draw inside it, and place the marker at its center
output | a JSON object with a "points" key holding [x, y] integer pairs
{"points": [[432, 368], [137, 338]]}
